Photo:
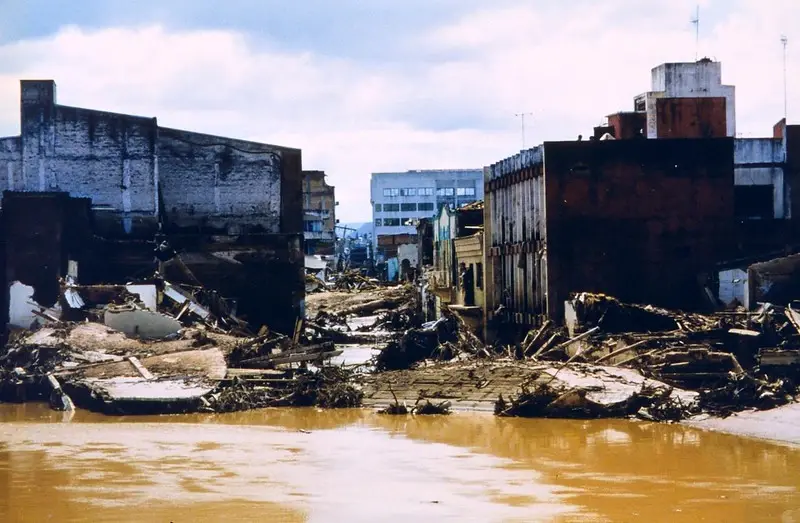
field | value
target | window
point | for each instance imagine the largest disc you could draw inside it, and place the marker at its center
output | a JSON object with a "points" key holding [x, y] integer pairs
{"points": [[445, 191], [425, 191], [377, 207], [391, 192], [465, 191], [426, 206], [391, 222], [408, 222], [408, 192], [408, 207], [391, 207], [479, 275], [377, 222], [753, 201]]}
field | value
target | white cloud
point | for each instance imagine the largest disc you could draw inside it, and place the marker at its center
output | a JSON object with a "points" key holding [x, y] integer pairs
{"points": [[570, 67]]}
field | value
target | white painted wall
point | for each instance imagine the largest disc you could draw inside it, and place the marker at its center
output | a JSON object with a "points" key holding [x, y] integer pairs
{"points": [[733, 287], [21, 306], [408, 252]]}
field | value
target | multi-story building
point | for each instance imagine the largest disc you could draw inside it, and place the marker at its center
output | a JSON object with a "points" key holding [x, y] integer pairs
{"points": [[319, 213], [400, 199], [657, 208]]}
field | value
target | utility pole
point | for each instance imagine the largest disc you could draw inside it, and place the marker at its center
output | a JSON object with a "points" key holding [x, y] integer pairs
{"points": [[785, 42], [522, 116], [696, 22]]}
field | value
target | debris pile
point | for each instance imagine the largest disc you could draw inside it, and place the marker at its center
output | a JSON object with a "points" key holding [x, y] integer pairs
{"points": [[734, 359], [156, 347]]}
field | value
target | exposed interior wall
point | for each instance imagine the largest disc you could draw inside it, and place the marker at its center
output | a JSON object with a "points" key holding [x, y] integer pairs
{"points": [[639, 220]]}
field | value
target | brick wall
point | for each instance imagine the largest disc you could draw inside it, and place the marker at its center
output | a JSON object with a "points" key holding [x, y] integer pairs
{"points": [[628, 125], [219, 182], [636, 219]]}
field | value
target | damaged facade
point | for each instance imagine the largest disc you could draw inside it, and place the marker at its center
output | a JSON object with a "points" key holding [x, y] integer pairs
{"points": [[319, 214], [92, 193], [645, 210]]}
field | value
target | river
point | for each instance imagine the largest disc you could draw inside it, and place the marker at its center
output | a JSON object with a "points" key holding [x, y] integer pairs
{"points": [[353, 465]]}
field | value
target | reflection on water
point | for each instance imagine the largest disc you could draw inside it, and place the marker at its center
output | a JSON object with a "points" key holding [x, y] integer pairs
{"points": [[309, 465]]}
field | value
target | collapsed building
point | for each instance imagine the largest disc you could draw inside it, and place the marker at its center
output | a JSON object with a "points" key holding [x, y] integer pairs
{"points": [[90, 194], [656, 208]]}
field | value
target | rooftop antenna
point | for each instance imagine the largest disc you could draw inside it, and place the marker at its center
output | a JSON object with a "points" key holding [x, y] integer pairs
{"points": [[696, 22], [785, 42], [522, 116]]}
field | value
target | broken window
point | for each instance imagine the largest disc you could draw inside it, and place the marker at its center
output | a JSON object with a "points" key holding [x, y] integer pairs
{"points": [[408, 207], [411, 191], [391, 222], [377, 207], [753, 201], [377, 222]]}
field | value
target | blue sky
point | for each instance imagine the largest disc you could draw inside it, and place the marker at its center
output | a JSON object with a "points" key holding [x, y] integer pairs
{"points": [[365, 86]]}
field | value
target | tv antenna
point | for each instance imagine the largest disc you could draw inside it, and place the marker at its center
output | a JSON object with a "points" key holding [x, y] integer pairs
{"points": [[522, 116], [785, 43], [696, 22]]}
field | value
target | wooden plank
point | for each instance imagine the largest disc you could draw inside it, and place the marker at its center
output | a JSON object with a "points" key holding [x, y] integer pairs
{"points": [[255, 372], [298, 358], [143, 372]]}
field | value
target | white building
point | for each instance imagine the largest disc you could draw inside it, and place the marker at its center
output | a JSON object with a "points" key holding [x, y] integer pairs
{"points": [[399, 199]]}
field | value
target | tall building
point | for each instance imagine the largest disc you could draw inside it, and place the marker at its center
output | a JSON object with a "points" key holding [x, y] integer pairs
{"points": [[399, 199]]}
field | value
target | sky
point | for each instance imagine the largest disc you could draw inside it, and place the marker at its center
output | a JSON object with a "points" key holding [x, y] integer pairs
{"points": [[383, 85]]}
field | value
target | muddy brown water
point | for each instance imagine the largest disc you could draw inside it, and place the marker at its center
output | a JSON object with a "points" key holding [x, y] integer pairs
{"points": [[354, 465]]}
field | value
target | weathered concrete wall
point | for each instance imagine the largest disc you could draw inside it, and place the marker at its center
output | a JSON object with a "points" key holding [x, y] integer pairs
{"points": [[219, 182], [110, 158], [637, 219], [10, 162], [702, 79], [691, 118], [760, 161]]}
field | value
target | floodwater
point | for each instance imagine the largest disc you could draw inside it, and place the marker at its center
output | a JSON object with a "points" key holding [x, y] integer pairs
{"points": [[354, 465]]}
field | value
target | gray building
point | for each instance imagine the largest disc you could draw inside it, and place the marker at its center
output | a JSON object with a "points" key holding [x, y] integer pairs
{"points": [[232, 208], [400, 198]]}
